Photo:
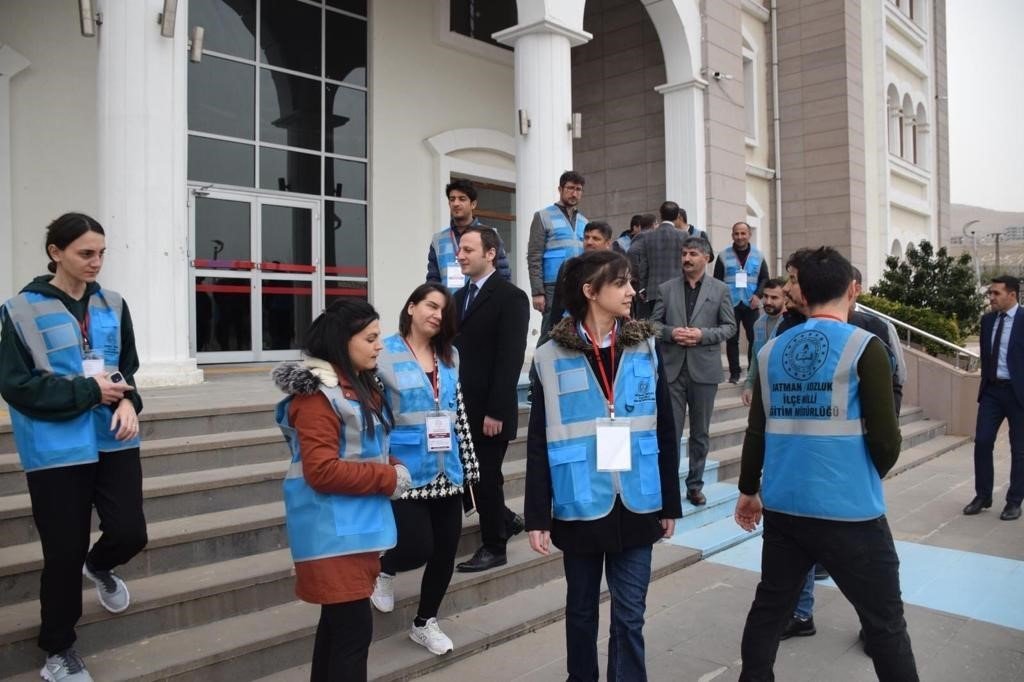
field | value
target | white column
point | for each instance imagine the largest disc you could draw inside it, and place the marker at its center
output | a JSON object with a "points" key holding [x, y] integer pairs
{"points": [[543, 89], [142, 149], [685, 164], [11, 63]]}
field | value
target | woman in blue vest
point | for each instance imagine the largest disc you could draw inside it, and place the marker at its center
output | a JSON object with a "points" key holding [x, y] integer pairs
{"points": [[67, 372], [420, 370], [337, 423], [602, 468]]}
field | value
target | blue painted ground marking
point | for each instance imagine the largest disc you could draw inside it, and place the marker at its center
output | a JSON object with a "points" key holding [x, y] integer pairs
{"points": [[977, 586]]}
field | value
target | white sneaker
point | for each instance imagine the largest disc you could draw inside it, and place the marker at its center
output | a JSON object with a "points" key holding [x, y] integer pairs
{"points": [[431, 637], [67, 666], [111, 590], [383, 597]]}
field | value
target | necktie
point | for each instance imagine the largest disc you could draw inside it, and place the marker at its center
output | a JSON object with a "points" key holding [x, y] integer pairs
{"points": [[470, 298], [995, 347]]}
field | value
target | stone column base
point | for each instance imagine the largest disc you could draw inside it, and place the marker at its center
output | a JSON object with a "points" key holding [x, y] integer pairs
{"points": [[177, 373]]}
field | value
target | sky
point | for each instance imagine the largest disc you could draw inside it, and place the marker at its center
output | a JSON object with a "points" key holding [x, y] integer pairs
{"points": [[986, 102]]}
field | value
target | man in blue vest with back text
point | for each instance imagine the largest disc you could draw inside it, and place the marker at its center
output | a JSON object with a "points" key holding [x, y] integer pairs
{"points": [[743, 268], [442, 265], [821, 435], [556, 235]]}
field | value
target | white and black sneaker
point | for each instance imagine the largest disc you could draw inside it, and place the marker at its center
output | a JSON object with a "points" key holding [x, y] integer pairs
{"points": [[111, 590], [67, 666], [431, 637]]}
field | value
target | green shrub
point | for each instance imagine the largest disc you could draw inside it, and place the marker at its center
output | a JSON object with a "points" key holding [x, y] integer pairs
{"points": [[926, 320]]}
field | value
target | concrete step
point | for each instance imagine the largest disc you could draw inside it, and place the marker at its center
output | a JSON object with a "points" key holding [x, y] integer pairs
{"points": [[484, 626], [168, 497], [180, 454], [713, 537], [721, 500]]}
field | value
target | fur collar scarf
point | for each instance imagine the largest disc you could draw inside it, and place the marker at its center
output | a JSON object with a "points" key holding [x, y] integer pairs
{"points": [[631, 333], [305, 376]]}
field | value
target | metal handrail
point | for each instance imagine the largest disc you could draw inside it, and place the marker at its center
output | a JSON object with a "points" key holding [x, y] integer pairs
{"points": [[972, 358]]}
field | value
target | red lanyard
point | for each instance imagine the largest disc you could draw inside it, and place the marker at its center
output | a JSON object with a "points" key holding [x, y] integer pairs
{"points": [[609, 387], [828, 317], [435, 378], [84, 326], [455, 242]]}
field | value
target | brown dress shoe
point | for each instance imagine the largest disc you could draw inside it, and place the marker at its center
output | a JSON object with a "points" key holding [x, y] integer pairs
{"points": [[696, 498]]}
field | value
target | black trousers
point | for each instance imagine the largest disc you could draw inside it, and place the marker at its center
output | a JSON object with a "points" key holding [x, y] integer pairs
{"points": [[862, 560], [62, 503], [745, 318], [342, 642], [428, 533], [495, 518]]}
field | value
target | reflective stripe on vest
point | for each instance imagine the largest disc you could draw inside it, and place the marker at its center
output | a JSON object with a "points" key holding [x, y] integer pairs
{"points": [[53, 338], [322, 525], [573, 400], [816, 459], [411, 396], [761, 331], [562, 241], [752, 267]]}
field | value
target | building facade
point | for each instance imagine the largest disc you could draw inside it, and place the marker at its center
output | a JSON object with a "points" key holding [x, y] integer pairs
{"points": [[269, 156]]}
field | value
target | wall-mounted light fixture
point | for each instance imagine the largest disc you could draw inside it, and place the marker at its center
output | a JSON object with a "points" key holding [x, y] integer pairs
{"points": [[167, 17], [88, 18], [576, 125], [195, 45], [524, 122]]}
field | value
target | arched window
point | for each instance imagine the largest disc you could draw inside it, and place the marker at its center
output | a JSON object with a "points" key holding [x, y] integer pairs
{"points": [[892, 104], [896, 250], [907, 129], [921, 137]]}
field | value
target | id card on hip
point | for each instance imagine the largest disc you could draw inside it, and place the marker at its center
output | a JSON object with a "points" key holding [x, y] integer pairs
{"points": [[741, 280], [613, 445], [439, 432]]}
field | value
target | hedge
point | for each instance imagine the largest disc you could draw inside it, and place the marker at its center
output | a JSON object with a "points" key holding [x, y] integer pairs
{"points": [[926, 320]]}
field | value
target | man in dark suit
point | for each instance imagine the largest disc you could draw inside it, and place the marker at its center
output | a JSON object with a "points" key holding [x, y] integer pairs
{"points": [[1000, 396], [493, 320], [697, 314], [656, 256]]}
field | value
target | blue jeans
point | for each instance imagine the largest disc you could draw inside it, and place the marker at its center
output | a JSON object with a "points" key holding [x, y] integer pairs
{"points": [[805, 602], [628, 573]]}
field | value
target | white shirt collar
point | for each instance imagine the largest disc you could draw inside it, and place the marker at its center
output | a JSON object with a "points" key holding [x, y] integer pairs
{"points": [[480, 282]]}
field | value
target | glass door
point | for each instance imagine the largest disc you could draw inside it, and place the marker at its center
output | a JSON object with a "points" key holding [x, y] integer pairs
{"points": [[256, 279]]}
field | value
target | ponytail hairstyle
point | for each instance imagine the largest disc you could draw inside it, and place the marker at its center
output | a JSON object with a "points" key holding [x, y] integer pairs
{"points": [[596, 268], [66, 229], [327, 339]]}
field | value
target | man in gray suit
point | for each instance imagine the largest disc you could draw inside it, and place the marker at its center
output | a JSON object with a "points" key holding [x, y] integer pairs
{"points": [[697, 317], [656, 256]]}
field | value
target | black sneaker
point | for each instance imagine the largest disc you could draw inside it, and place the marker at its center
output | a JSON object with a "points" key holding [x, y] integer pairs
{"points": [[799, 628], [821, 573]]}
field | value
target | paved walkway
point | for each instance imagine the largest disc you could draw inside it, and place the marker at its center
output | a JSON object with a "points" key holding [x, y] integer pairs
{"points": [[962, 579]]}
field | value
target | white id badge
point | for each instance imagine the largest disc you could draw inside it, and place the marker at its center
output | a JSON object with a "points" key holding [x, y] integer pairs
{"points": [[439, 432], [741, 280], [613, 450], [92, 364], [453, 277]]}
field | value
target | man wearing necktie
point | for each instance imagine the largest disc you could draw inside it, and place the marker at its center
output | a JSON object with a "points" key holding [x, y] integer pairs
{"points": [[1000, 396], [493, 319]]}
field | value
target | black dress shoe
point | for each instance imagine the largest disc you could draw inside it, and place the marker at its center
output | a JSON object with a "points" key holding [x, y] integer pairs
{"points": [[517, 525], [483, 560], [799, 628], [821, 573], [734, 378], [1011, 512], [696, 498], [977, 504]]}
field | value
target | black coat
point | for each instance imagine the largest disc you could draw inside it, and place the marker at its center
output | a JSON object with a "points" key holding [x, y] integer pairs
{"points": [[492, 345]]}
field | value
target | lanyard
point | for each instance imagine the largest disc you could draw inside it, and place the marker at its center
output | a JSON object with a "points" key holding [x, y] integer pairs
{"points": [[435, 379], [84, 326], [608, 386], [828, 317]]}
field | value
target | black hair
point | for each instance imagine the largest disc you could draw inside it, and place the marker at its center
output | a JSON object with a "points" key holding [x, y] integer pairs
{"points": [[489, 238], [571, 176], [669, 211], [441, 342], [647, 221], [596, 268], [697, 243], [1011, 283], [773, 283], [462, 185], [824, 275], [635, 220], [599, 226], [797, 257], [66, 229], [327, 339]]}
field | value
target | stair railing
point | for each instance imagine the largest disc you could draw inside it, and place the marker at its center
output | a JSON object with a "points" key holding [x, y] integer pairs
{"points": [[963, 358]]}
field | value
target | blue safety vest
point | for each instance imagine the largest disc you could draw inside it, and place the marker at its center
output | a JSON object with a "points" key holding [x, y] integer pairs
{"points": [[752, 267], [411, 395], [573, 400], [562, 241], [446, 247], [761, 332], [53, 337], [816, 461], [322, 525]]}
